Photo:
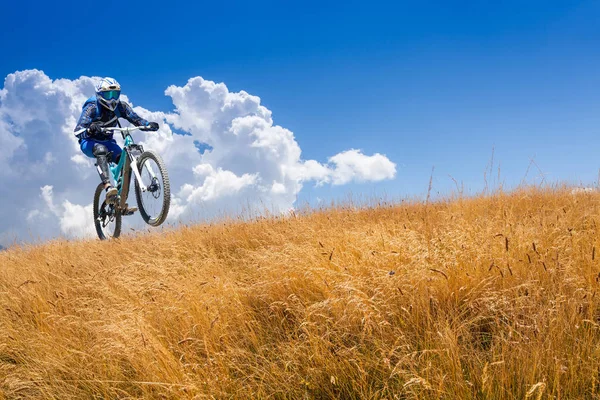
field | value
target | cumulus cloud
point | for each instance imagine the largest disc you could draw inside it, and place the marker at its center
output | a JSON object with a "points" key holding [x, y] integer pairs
{"points": [[245, 162], [353, 165]]}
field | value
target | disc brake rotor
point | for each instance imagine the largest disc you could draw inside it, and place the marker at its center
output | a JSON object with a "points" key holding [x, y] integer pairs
{"points": [[154, 188]]}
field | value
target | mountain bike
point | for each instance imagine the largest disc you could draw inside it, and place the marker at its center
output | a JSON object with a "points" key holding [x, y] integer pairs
{"points": [[152, 188]]}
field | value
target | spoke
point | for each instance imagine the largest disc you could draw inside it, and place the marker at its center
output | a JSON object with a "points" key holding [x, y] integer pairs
{"points": [[153, 197]]}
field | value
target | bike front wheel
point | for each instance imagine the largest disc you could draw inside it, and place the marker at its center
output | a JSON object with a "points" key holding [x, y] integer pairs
{"points": [[107, 218], [153, 202]]}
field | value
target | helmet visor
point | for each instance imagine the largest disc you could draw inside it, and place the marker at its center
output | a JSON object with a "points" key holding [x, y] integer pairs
{"points": [[110, 94]]}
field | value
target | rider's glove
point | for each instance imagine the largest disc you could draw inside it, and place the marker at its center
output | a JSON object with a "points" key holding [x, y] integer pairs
{"points": [[152, 126], [95, 128]]}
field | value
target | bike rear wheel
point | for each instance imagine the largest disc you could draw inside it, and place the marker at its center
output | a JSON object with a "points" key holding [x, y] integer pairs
{"points": [[155, 201], [107, 218]]}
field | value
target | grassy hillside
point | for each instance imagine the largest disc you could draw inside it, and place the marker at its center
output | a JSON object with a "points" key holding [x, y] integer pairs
{"points": [[491, 297]]}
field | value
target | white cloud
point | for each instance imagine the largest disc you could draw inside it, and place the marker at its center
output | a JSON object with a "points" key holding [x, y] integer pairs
{"points": [[31, 216], [75, 220], [353, 165], [277, 188], [252, 164], [203, 170], [220, 184], [47, 195]]}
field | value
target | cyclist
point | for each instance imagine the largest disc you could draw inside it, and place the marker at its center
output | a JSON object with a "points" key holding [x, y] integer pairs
{"points": [[103, 111]]}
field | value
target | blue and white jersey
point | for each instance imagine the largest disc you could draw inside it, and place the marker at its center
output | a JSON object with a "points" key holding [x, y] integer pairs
{"points": [[93, 111]]}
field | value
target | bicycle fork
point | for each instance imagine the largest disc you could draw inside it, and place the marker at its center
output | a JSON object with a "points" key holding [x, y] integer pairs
{"points": [[134, 167]]}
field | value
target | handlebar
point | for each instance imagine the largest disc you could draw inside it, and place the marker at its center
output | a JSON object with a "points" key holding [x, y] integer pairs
{"points": [[126, 129], [123, 131]]}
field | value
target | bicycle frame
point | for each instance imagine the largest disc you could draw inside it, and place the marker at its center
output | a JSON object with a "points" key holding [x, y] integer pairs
{"points": [[121, 172]]}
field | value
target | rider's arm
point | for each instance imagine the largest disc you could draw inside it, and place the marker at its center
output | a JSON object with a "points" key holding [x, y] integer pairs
{"points": [[87, 116], [131, 116]]}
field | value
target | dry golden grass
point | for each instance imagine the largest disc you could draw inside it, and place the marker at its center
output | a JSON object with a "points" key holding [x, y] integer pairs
{"points": [[489, 297]]}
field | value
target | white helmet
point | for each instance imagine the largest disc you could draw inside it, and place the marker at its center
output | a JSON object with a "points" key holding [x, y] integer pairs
{"points": [[108, 92]]}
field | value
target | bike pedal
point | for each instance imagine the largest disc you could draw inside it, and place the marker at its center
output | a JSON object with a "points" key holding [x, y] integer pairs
{"points": [[130, 211]]}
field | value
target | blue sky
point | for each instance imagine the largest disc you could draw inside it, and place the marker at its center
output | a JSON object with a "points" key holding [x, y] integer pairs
{"points": [[429, 84]]}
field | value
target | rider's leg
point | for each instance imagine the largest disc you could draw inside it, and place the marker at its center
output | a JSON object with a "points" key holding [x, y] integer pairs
{"points": [[94, 149], [114, 148], [88, 145], [100, 151]]}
